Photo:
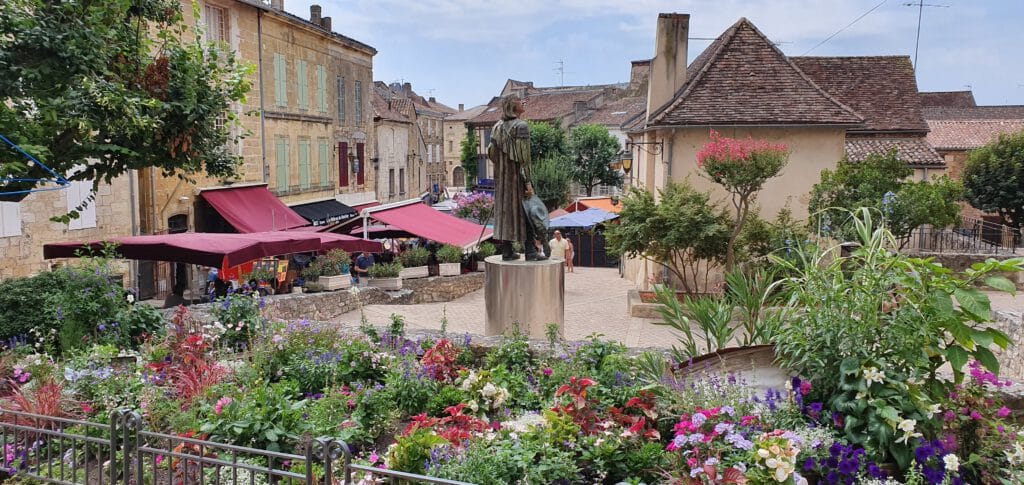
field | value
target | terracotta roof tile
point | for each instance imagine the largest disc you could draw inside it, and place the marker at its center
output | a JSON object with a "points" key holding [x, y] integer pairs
{"points": [[947, 99], [914, 151], [541, 106], [618, 112], [882, 89], [742, 78], [383, 108], [1008, 112], [969, 134], [468, 114]]}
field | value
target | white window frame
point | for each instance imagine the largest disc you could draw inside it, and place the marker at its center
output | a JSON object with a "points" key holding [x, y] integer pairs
{"points": [[10, 219]]}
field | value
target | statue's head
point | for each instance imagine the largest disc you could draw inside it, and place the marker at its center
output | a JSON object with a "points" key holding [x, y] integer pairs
{"points": [[511, 107]]}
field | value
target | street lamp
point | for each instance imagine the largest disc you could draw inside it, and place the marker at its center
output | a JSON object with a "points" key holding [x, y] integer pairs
{"points": [[627, 164]]}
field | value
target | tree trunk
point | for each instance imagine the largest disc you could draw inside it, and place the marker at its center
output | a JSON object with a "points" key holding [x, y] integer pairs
{"points": [[742, 210]]}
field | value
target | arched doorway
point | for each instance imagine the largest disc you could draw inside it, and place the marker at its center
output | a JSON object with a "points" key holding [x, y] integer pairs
{"points": [[458, 177]]}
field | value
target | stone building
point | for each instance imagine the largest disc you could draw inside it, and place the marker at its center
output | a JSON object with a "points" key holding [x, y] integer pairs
{"points": [[307, 121], [394, 126], [456, 130]]}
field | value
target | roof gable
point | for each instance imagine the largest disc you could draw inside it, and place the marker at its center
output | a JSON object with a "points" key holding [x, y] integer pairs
{"points": [[543, 106], [948, 99], [882, 89], [742, 78]]}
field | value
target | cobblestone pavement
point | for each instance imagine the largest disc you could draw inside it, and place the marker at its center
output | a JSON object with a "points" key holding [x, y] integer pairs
{"points": [[595, 302]]}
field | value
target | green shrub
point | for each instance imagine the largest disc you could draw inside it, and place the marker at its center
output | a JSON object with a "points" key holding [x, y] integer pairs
{"points": [[449, 254], [444, 398], [385, 270], [411, 387], [414, 257], [486, 250], [240, 315], [23, 304], [512, 354]]}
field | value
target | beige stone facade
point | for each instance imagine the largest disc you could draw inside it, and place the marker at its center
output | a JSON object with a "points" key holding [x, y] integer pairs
{"points": [[455, 131]]}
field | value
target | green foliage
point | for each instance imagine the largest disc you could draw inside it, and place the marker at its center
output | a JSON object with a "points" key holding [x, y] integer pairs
{"points": [[468, 155], [111, 86], [385, 270], [83, 306], [993, 178], [265, 418], [445, 397], [513, 353], [592, 150], [411, 452], [23, 304], [547, 141], [684, 231], [240, 317], [711, 315], [348, 361], [413, 257], [486, 250], [411, 387], [552, 178], [449, 254], [749, 293], [880, 183]]}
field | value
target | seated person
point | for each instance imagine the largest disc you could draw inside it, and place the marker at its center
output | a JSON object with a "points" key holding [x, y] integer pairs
{"points": [[362, 266]]}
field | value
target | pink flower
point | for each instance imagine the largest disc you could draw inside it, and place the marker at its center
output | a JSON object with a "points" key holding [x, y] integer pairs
{"points": [[86, 408], [805, 388], [374, 457], [159, 459], [949, 416], [547, 371], [1003, 412], [975, 415], [219, 407]]}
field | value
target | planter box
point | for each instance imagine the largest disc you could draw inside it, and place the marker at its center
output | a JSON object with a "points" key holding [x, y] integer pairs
{"points": [[296, 289], [387, 283], [414, 272], [451, 269], [339, 282]]}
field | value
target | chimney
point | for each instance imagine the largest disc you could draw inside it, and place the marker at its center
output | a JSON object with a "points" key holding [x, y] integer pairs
{"points": [[579, 109], [639, 74], [326, 23], [407, 88], [314, 14], [277, 4], [432, 100], [462, 107], [668, 68]]}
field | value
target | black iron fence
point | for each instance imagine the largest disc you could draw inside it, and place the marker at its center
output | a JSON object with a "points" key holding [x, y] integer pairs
{"points": [[975, 236], [74, 452]]}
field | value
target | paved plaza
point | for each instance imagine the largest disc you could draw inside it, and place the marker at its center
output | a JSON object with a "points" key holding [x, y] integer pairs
{"points": [[595, 301]]}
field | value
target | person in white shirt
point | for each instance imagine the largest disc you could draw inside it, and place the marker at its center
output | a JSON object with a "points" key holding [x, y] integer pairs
{"points": [[559, 247]]}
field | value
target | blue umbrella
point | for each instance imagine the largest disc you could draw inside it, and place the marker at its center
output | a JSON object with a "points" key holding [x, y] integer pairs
{"points": [[586, 218]]}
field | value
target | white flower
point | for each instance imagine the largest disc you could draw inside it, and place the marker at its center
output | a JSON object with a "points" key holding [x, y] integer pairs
{"points": [[772, 462], [872, 374], [933, 410], [781, 474], [763, 453], [907, 425], [489, 390], [952, 462], [473, 405], [131, 298]]}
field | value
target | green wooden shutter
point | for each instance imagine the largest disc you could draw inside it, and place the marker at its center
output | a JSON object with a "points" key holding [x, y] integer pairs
{"points": [[303, 164], [341, 99], [303, 83], [321, 88], [280, 80], [282, 164], [325, 163]]}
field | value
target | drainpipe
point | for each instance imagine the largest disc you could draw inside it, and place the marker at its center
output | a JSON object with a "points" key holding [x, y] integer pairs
{"points": [[133, 265], [263, 119]]}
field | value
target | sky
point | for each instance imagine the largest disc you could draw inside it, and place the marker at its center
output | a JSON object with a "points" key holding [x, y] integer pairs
{"points": [[462, 51]]}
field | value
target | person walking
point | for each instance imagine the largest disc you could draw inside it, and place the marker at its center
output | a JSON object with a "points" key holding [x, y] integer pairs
{"points": [[559, 247], [568, 256]]}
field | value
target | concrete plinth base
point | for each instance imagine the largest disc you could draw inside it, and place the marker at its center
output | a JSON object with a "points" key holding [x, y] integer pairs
{"points": [[529, 292]]}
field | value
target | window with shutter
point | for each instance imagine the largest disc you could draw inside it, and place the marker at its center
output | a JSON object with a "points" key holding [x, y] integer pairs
{"points": [[359, 101], [77, 194], [216, 24], [321, 88], [302, 83], [282, 164], [391, 182], [361, 175], [341, 98], [280, 80], [342, 164], [10, 219], [325, 162], [303, 164], [401, 181]]}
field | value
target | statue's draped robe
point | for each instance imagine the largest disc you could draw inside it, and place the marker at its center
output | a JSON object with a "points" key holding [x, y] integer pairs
{"points": [[510, 152]]}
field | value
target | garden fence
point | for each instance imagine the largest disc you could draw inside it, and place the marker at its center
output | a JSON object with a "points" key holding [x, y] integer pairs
{"points": [[73, 452], [971, 236]]}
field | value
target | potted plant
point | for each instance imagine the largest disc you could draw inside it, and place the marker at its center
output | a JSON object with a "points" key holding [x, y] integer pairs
{"points": [[334, 268], [414, 262], [485, 251], [450, 258], [386, 276]]}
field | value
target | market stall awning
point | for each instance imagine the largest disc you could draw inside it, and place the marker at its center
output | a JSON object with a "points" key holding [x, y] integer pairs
{"points": [[423, 221], [352, 244], [583, 218], [381, 231], [207, 249], [325, 212], [604, 203], [252, 209]]}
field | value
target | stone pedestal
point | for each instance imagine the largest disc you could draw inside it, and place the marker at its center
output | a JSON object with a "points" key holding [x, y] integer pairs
{"points": [[529, 292]]}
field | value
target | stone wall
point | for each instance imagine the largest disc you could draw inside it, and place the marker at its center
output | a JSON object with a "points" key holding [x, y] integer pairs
{"points": [[1011, 360]]}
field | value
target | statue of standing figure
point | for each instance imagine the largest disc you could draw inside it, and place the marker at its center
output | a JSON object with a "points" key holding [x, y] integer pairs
{"points": [[517, 216]]}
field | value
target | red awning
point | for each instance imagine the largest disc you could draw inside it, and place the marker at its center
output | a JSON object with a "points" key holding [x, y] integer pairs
{"points": [[428, 223], [367, 205], [217, 249], [253, 209]]}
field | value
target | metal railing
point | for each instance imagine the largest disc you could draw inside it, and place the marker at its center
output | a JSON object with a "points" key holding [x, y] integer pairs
{"points": [[971, 236], [73, 452]]}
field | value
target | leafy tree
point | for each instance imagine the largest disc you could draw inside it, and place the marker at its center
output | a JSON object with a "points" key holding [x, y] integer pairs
{"points": [[468, 157], [683, 232], [95, 89], [593, 150], [994, 178], [879, 183], [551, 180], [547, 140], [741, 167]]}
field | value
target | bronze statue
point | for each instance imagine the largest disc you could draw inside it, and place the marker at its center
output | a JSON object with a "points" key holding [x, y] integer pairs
{"points": [[509, 150]]}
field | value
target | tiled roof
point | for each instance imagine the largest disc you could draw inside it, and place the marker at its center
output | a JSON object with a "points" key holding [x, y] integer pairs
{"points": [[947, 99], [742, 78], [1009, 112], [969, 134], [618, 112], [882, 89], [383, 108], [915, 151], [468, 114], [546, 106]]}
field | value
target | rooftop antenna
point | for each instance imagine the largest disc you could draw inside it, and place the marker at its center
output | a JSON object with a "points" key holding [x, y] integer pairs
{"points": [[920, 11], [561, 71]]}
